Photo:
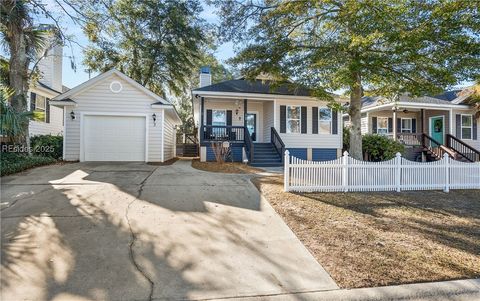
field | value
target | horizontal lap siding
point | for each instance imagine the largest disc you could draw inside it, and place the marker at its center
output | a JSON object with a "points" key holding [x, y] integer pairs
{"points": [[228, 104], [324, 154], [309, 140], [389, 113], [55, 126], [268, 117], [473, 143], [169, 140], [100, 99], [236, 152]]}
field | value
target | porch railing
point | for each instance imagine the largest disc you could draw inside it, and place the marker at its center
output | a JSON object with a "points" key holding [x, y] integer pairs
{"points": [[234, 134], [411, 139], [277, 142], [462, 149], [435, 147]]}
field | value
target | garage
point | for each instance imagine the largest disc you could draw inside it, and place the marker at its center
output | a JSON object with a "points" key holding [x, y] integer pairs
{"points": [[111, 117], [114, 138]]}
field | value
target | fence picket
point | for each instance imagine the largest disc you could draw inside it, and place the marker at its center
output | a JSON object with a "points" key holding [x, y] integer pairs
{"points": [[348, 174]]}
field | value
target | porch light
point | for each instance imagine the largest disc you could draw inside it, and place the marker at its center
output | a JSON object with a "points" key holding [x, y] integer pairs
{"points": [[154, 117], [72, 115]]}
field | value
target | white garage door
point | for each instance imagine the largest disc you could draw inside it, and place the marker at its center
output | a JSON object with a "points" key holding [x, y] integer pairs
{"points": [[114, 138]]}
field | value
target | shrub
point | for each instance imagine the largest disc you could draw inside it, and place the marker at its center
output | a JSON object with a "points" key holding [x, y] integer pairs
{"points": [[380, 148], [47, 146], [15, 162]]}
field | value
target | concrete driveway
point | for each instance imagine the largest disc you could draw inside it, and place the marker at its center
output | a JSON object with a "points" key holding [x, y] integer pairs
{"points": [[134, 231]]}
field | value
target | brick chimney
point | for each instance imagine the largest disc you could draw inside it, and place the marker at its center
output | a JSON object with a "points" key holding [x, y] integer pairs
{"points": [[205, 76]]}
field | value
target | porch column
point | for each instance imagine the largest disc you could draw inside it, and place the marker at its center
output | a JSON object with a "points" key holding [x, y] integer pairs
{"points": [[395, 125], [422, 121], [202, 118], [245, 113], [450, 119]]}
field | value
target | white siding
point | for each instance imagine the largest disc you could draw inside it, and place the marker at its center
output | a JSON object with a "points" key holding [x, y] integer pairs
{"points": [[55, 126], [99, 99], [268, 116], [309, 140], [389, 113], [169, 138], [226, 104]]}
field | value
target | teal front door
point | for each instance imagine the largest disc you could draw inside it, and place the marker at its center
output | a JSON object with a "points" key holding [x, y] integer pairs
{"points": [[437, 128]]}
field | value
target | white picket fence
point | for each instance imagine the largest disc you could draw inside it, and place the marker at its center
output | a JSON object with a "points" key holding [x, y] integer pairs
{"points": [[348, 174]]}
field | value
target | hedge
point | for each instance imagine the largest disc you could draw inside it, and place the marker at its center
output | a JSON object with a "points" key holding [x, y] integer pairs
{"points": [[13, 162]]}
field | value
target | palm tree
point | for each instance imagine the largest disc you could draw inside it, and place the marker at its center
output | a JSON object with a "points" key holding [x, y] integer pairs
{"points": [[12, 122]]}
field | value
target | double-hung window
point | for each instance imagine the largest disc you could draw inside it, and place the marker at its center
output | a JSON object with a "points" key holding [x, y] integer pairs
{"points": [[40, 108], [406, 125], [382, 125], [325, 120], [294, 119], [467, 126], [219, 117]]}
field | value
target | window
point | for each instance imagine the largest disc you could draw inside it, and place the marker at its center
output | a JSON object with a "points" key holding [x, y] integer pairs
{"points": [[382, 125], [219, 117], [467, 126], [325, 120], [40, 108], [293, 119], [406, 125]]}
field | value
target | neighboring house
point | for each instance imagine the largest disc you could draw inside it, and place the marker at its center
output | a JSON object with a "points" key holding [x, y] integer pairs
{"points": [[443, 122], [113, 118], [47, 119], [261, 119]]}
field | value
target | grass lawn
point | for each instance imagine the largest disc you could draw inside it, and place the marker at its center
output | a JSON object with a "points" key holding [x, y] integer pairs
{"points": [[377, 239], [228, 167]]}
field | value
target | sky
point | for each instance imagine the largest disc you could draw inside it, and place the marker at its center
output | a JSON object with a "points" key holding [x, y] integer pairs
{"points": [[73, 78]]}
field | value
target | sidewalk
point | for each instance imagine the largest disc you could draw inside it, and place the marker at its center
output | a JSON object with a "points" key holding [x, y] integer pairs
{"points": [[457, 290]]}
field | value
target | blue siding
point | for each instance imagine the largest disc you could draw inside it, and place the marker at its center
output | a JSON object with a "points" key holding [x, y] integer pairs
{"points": [[236, 151], [324, 154], [300, 153]]}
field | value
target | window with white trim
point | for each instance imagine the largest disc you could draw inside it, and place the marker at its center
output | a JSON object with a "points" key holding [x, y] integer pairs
{"points": [[219, 117], [467, 126], [324, 120], [40, 113], [294, 119], [406, 125], [382, 125]]}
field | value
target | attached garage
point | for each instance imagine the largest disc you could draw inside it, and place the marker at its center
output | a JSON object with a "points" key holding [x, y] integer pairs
{"points": [[113, 118]]}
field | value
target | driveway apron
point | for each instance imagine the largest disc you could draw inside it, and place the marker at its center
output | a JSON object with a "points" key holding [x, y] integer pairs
{"points": [[132, 231]]}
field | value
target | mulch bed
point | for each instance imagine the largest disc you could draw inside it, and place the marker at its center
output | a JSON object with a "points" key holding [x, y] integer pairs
{"points": [[378, 239], [228, 167]]}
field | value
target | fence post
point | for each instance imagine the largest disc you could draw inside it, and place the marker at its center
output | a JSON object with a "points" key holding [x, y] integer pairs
{"points": [[398, 170], [446, 158], [286, 167], [345, 171]]}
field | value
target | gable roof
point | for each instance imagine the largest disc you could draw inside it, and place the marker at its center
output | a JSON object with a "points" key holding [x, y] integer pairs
{"points": [[104, 75], [257, 86]]}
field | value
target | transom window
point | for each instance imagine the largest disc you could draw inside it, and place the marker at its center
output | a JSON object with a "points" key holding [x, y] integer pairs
{"points": [[406, 126], [219, 117], [382, 125], [294, 119], [467, 126], [325, 120], [40, 108]]}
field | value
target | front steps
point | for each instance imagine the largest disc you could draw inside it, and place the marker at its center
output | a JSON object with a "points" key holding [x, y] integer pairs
{"points": [[265, 155]]}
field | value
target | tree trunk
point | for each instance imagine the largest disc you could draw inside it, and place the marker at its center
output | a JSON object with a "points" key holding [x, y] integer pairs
{"points": [[356, 118]]}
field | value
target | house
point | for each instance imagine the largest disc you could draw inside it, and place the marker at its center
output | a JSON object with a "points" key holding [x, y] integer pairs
{"points": [[47, 120], [262, 118], [111, 117], [428, 125]]}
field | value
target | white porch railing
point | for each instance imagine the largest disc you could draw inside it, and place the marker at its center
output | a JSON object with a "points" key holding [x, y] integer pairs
{"points": [[348, 174]]}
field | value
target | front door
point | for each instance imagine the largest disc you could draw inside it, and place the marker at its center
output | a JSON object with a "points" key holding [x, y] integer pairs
{"points": [[252, 125], [437, 128]]}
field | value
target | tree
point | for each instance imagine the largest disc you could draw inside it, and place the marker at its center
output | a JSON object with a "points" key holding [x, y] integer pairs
{"points": [[386, 47], [157, 43]]}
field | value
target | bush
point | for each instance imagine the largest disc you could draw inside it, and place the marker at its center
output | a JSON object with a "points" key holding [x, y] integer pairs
{"points": [[15, 162], [47, 146], [380, 148]]}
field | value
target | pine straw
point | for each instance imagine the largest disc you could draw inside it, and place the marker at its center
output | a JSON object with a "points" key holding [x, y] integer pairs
{"points": [[228, 167], [377, 239]]}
